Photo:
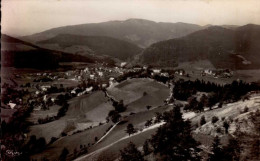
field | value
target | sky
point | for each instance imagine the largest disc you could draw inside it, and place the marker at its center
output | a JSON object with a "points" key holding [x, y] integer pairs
{"points": [[25, 17]]}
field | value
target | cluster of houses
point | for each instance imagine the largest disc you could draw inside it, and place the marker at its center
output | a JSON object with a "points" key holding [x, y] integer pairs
{"points": [[180, 72], [222, 73], [159, 72], [87, 90], [95, 73], [42, 77]]}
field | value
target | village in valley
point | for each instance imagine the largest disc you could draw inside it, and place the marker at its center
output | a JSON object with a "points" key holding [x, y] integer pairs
{"points": [[46, 86], [48, 96]]}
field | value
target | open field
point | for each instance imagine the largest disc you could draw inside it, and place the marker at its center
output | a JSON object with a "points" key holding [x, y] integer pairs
{"points": [[73, 141], [36, 114], [196, 65], [93, 107], [83, 112], [139, 93], [248, 75], [194, 70]]}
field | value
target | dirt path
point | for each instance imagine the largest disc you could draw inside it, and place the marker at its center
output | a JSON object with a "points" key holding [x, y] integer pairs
{"points": [[124, 138], [107, 133], [188, 115]]}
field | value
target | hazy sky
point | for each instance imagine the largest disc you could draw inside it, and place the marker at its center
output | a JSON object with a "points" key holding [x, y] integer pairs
{"points": [[24, 17]]}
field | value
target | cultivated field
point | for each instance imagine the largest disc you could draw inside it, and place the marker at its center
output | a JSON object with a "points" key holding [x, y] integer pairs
{"points": [[90, 110], [83, 112], [139, 93]]}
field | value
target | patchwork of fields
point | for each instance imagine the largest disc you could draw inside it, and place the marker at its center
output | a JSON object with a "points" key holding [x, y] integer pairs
{"points": [[91, 110]]}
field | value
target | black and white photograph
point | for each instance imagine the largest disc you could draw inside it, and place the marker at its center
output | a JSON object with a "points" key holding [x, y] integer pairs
{"points": [[130, 80]]}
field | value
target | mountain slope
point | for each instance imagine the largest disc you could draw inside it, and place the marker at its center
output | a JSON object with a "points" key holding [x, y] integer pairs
{"points": [[97, 45], [138, 31], [225, 48], [21, 54]]}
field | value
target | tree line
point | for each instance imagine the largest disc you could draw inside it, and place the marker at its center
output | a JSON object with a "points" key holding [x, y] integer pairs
{"points": [[184, 90]]}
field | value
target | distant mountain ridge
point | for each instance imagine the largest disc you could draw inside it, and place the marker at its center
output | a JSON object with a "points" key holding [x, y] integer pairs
{"points": [[138, 31], [225, 48]]}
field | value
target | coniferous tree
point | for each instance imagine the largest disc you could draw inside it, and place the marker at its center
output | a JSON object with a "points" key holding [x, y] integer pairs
{"points": [[232, 150], [148, 123], [202, 120], [226, 126], [146, 148], [64, 154], [131, 153], [173, 141], [130, 129], [158, 117], [217, 151], [115, 116], [120, 107]]}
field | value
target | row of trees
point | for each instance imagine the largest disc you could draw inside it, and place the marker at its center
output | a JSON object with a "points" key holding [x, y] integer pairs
{"points": [[144, 74], [183, 90]]}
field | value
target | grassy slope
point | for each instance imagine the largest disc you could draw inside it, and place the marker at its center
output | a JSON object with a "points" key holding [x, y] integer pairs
{"points": [[76, 116], [35, 115], [204, 134], [131, 92], [118, 133], [72, 142], [231, 110]]}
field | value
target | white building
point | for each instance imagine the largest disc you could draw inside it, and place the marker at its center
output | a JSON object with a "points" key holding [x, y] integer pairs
{"points": [[156, 71], [165, 74], [45, 88], [208, 71], [86, 70], [123, 64], [11, 105], [52, 99], [92, 76], [104, 85], [89, 89], [100, 74]]}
